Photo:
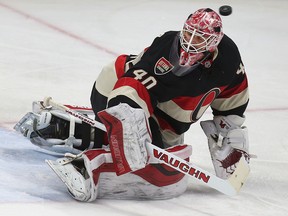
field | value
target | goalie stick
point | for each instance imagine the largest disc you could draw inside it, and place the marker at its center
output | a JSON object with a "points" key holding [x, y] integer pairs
{"points": [[230, 186]]}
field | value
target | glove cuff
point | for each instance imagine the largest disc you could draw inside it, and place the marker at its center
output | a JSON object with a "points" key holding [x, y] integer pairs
{"points": [[227, 123]]}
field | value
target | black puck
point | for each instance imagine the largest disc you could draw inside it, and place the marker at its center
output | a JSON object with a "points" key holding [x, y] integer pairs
{"points": [[225, 10]]}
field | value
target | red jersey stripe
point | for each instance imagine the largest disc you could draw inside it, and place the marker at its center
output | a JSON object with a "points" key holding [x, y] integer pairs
{"points": [[235, 90], [120, 65]]}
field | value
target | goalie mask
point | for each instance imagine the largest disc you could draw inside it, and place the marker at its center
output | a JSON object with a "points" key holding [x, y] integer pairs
{"points": [[202, 31]]}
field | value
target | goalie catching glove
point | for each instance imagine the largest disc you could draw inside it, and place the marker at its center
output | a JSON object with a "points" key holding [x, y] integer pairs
{"points": [[228, 143]]}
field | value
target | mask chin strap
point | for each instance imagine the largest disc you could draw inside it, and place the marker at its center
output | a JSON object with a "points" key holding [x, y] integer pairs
{"points": [[207, 54], [181, 73]]}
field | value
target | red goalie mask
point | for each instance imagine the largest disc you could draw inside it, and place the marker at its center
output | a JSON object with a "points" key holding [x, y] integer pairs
{"points": [[202, 31]]}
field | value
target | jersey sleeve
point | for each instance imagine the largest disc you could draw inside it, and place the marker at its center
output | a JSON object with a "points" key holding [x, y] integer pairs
{"points": [[131, 91], [234, 99], [132, 86]]}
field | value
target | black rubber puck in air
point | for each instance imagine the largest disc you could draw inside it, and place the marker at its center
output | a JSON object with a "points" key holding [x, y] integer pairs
{"points": [[225, 10]]}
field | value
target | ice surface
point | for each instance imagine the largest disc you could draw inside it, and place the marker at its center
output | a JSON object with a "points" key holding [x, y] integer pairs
{"points": [[57, 48]]}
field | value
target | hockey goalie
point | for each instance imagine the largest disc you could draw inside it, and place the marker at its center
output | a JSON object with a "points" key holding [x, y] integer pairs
{"points": [[153, 97]]}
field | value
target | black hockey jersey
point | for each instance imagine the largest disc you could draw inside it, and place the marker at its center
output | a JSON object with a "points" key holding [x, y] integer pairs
{"points": [[177, 96]]}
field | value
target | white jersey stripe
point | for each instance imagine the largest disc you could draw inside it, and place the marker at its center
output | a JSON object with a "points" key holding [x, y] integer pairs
{"points": [[237, 100]]}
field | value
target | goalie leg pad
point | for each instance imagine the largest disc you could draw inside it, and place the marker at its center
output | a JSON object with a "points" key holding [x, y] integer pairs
{"points": [[91, 175], [155, 181]]}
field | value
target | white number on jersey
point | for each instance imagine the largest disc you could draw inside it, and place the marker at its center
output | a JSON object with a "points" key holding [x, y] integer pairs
{"points": [[241, 69], [147, 81]]}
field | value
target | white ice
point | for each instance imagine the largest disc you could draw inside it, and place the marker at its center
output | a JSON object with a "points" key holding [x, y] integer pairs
{"points": [[57, 48]]}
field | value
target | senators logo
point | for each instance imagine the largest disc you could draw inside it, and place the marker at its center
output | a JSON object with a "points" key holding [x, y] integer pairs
{"points": [[162, 66]]}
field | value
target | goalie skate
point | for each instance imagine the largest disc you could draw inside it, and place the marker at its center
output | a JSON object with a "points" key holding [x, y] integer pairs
{"points": [[79, 184]]}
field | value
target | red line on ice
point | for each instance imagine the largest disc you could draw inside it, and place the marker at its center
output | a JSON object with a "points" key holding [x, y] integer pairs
{"points": [[280, 109], [56, 28], [268, 109]]}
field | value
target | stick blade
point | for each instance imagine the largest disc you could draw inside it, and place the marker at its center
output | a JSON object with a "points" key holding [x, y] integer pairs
{"points": [[238, 178]]}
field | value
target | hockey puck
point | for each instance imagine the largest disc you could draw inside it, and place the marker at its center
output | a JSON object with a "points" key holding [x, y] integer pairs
{"points": [[225, 10]]}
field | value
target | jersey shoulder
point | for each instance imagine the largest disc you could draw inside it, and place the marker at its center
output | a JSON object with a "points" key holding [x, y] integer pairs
{"points": [[229, 58], [167, 37], [159, 49], [168, 34], [229, 50]]}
